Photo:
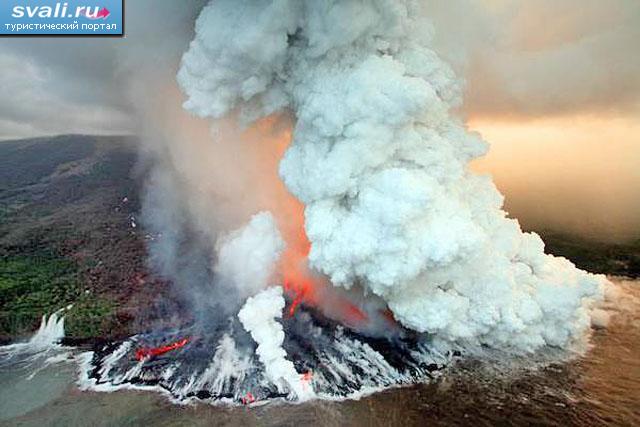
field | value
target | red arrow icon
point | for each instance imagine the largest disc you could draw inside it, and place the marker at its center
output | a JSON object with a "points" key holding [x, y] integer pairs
{"points": [[103, 13]]}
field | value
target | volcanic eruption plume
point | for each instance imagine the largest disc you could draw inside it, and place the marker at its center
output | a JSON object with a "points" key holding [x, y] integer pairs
{"points": [[333, 140], [381, 166]]}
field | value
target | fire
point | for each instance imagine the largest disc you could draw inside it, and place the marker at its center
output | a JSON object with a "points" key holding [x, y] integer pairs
{"points": [[146, 353]]}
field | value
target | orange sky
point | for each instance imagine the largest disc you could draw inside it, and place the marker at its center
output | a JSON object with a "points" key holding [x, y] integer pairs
{"points": [[554, 87], [575, 173]]}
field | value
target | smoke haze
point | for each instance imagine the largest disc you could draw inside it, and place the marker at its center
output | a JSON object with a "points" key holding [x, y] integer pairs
{"points": [[576, 175]]}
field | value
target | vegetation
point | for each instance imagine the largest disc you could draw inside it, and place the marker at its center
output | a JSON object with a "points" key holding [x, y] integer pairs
{"points": [[65, 236], [31, 286]]}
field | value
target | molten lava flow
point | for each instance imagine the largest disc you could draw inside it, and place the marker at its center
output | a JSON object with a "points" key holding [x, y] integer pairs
{"points": [[298, 281], [146, 353], [248, 398], [294, 304], [306, 378], [273, 135], [353, 315], [296, 278]]}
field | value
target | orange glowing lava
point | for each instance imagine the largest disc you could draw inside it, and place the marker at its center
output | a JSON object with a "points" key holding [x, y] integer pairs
{"points": [[296, 278], [147, 353], [273, 136], [248, 398], [353, 315], [307, 376], [275, 133]]}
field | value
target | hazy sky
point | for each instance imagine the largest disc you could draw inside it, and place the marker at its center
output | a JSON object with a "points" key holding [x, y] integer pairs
{"points": [[533, 58], [522, 59], [554, 85]]}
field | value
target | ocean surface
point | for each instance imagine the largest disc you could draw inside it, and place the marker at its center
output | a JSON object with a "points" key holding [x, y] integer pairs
{"points": [[600, 388]]}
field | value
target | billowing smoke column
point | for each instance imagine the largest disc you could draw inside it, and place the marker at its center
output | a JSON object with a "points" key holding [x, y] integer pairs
{"points": [[258, 316], [382, 167], [247, 257]]}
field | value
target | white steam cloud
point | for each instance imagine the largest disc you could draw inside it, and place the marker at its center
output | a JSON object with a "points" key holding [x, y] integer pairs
{"points": [[258, 316], [382, 168], [247, 257]]}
